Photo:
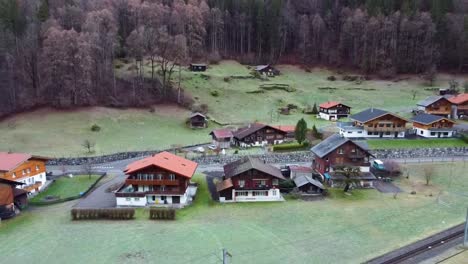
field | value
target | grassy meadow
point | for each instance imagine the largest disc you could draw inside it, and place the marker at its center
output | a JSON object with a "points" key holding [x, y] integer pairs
{"points": [[339, 229], [65, 187]]}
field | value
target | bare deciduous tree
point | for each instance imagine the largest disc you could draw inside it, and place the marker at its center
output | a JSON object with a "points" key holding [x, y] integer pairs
{"points": [[88, 145], [428, 171]]}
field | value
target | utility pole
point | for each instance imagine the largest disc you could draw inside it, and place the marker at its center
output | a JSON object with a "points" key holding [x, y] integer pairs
{"points": [[465, 241], [226, 254]]}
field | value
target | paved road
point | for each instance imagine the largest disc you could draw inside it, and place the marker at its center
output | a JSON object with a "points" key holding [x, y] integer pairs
{"points": [[100, 197]]}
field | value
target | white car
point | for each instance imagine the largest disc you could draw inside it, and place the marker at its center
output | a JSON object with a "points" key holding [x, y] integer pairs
{"points": [[200, 149], [212, 147]]}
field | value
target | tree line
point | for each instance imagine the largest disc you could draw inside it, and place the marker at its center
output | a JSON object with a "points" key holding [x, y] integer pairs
{"points": [[62, 52]]}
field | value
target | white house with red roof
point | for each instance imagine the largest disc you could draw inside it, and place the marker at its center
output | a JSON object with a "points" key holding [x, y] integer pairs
{"points": [[333, 110], [160, 180]]}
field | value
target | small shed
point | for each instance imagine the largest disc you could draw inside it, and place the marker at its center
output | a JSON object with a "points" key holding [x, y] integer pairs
{"points": [[267, 70], [198, 120], [307, 185], [198, 67], [11, 198]]}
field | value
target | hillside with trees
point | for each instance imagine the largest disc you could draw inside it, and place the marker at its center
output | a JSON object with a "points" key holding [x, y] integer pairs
{"points": [[61, 53]]}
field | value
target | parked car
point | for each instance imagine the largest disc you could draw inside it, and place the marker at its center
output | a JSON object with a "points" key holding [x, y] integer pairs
{"points": [[200, 149], [212, 147]]}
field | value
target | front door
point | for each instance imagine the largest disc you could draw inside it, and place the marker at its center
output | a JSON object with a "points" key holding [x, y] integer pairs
{"points": [[381, 134], [396, 134], [176, 199], [438, 134]]}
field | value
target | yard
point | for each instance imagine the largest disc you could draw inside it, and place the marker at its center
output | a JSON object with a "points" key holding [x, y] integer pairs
{"points": [[415, 143], [65, 187], [340, 229]]}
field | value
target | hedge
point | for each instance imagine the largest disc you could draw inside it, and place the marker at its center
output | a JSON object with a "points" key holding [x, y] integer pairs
{"points": [[291, 146], [162, 214], [109, 213]]}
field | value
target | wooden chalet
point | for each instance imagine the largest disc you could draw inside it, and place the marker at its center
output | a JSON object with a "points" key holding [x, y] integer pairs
{"points": [[436, 105], [308, 186], [162, 179], [333, 110], [460, 106], [267, 70], [198, 120], [374, 123], [337, 151], [24, 168], [249, 180], [222, 138], [11, 198], [198, 67], [289, 130], [258, 134], [433, 126]]}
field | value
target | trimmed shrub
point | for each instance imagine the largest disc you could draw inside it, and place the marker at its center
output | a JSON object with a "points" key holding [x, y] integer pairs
{"points": [[291, 146], [95, 128], [214, 93], [331, 78], [109, 213], [162, 214]]}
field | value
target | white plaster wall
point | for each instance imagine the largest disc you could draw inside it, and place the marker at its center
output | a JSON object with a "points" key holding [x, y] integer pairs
{"points": [[251, 198], [122, 201], [427, 133]]}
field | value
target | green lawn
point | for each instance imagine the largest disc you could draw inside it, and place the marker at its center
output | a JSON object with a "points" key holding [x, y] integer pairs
{"points": [[415, 143], [340, 229], [65, 187]]}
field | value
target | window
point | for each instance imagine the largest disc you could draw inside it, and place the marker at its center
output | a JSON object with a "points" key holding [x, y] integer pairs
{"points": [[433, 133], [421, 132], [389, 125], [445, 133], [353, 150], [359, 132], [241, 183], [37, 167], [398, 125], [171, 177], [128, 199], [349, 132], [162, 188], [159, 176], [24, 172], [28, 170], [262, 182], [14, 175], [274, 192], [242, 193], [151, 188], [381, 125], [387, 133], [260, 193], [340, 151], [137, 199], [275, 182]]}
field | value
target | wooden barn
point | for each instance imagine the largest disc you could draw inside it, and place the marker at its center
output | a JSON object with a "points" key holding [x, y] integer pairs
{"points": [[198, 120], [267, 70], [11, 198], [198, 67]]}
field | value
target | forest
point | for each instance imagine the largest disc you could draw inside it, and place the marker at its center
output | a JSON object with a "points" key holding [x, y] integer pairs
{"points": [[61, 53]]}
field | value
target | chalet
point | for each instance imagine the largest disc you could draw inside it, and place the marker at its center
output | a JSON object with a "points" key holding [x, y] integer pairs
{"points": [[433, 126], [162, 179], [24, 168], [337, 151], [11, 198], [198, 120], [249, 180], [307, 185], [436, 105], [267, 70], [333, 110], [289, 130], [222, 138], [459, 105], [257, 134], [198, 67], [375, 123]]}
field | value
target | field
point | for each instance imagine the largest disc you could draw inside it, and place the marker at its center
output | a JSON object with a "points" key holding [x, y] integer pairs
{"points": [[61, 133], [65, 187], [415, 143], [351, 228]]}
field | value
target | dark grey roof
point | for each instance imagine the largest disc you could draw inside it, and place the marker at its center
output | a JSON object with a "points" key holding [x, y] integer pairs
{"points": [[242, 165], [331, 143], [199, 64], [261, 67], [197, 114], [368, 114], [303, 180], [426, 118], [252, 128], [430, 100]]}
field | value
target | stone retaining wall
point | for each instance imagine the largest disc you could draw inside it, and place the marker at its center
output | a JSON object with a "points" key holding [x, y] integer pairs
{"points": [[290, 157]]}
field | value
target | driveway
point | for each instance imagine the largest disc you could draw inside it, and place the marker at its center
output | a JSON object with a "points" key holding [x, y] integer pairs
{"points": [[386, 187], [210, 177], [100, 197]]}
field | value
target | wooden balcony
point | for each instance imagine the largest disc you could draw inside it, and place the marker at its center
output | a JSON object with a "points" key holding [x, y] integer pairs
{"points": [[155, 192], [151, 182], [385, 129]]}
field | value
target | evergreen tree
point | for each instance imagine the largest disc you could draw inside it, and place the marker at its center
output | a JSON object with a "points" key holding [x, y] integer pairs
{"points": [[43, 11], [314, 110], [300, 131]]}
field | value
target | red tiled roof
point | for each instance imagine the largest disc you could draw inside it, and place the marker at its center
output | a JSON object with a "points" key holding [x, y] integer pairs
{"points": [[286, 129], [167, 161], [222, 133], [329, 104], [459, 99], [9, 161]]}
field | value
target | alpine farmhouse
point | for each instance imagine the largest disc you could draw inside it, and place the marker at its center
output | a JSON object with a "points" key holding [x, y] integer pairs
{"points": [[160, 180], [24, 168]]}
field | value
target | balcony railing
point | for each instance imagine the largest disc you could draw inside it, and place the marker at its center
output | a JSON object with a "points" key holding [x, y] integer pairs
{"points": [[32, 186], [385, 129], [152, 182], [154, 192]]}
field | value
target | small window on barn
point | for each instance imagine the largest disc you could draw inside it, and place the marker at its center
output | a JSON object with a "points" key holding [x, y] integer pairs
{"points": [[24, 172], [28, 170], [37, 167], [275, 182], [241, 183], [137, 199], [14, 175], [340, 151], [421, 132], [359, 132], [128, 199], [433, 133], [171, 177]]}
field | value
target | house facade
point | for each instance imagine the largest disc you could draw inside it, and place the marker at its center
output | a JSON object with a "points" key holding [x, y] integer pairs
{"points": [[433, 126], [250, 180], [160, 180], [222, 138], [198, 120], [24, 168], [436, 105], [257, 134], [308, 186], [11, 198], [459, 106], [373, 123], [333, 111], [337, 151]]}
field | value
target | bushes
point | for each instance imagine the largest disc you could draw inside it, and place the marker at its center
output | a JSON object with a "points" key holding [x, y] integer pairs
{"points": [[291, 146], [214, 93], [110, 213], [95, 128], [162, 214]]}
